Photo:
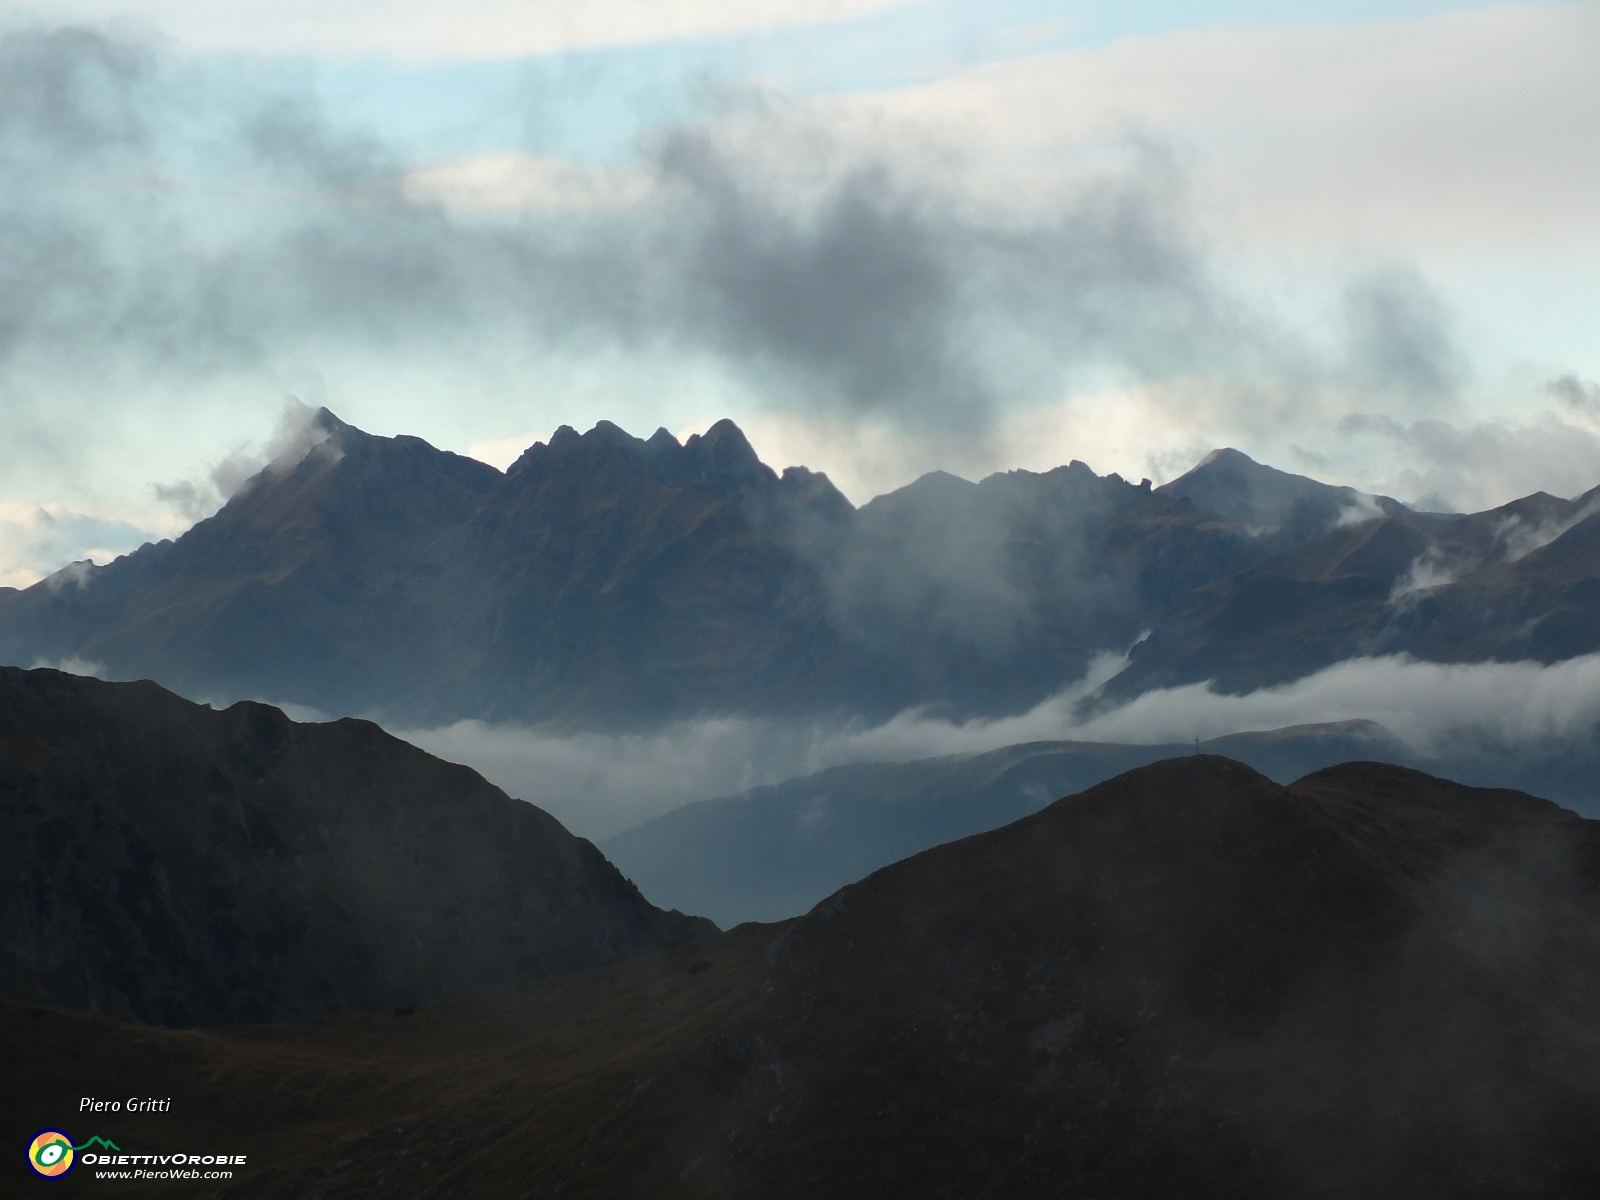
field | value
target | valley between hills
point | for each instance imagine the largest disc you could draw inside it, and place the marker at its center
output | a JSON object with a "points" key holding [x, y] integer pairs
{"points": [[1288, 960]]}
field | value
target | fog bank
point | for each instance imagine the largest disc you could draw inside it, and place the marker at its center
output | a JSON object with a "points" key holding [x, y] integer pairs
{"points": [[599, 784]]}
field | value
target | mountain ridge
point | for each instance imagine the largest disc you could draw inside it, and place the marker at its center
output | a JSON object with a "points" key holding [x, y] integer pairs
{"points": [[773, 852], [611, 582], [608, 578], [164, 861]]}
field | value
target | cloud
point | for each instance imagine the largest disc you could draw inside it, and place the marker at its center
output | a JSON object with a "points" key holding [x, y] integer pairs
{"points": [[36, 539], [73, 666], [1521, 538], [500, 453], [1580, 395], [1362, 508], [1477, 466], [296, 435], [1400, 335], [1433, 568], [600, 784], [465, 29], [513, 182], [73, 87], [1430, 706], [888, 270], [810, 262], [1467, 130]]}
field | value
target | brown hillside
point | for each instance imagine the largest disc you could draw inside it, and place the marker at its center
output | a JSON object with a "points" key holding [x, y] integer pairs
{"points": [[1186, 981]]}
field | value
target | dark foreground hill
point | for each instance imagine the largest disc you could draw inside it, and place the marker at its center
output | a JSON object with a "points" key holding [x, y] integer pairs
{"points": [[773, 852], [169, 863], [1187, 981]]}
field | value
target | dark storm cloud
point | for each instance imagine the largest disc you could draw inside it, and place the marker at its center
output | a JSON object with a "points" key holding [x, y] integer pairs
{"points": [[291, 135], [898, 292], [182, 224], [862, 297], [1580, 395], [73, 89]]}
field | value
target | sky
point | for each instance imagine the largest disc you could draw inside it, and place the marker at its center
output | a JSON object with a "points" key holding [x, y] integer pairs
{"points": [[1355, 240]]}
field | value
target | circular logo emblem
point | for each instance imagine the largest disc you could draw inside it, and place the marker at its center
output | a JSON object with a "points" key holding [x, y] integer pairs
{"points": [[51, 1153]]}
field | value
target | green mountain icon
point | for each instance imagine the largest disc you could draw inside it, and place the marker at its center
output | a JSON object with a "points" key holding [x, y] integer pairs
{"points": [[99, 1141]]}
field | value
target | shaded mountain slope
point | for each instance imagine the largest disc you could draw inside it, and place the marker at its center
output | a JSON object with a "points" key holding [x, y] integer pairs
{"points": [[1186, 981], [163, 861], [610, 579], [606, 580], [1518, 582], [775, 851], [987, 598], [318, 583], [1273, 502]]}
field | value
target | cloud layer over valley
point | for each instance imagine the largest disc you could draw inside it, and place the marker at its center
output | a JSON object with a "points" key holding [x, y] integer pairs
{"points": [[1492, 716]]}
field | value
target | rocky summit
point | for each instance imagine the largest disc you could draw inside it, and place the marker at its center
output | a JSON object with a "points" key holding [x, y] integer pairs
{"points": [[609, 581], [167, 863]]}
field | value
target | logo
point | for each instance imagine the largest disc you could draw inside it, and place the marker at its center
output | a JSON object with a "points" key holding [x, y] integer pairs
{"points": [[51, 1153]]}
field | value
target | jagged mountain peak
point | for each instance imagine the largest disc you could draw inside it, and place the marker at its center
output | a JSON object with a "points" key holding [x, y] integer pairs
{"points": [[722, 455], [611, 579]]}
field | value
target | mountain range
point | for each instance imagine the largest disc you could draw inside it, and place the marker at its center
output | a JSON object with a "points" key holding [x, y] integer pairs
{"points": [[604, 581], [1185, 981]]}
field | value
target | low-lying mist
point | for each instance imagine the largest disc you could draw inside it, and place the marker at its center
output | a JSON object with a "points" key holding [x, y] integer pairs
{"points": [[599, 784]]}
